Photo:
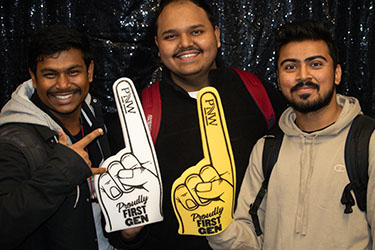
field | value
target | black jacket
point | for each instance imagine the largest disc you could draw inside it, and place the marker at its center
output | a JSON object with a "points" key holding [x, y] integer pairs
{"points": [[38, 204]]}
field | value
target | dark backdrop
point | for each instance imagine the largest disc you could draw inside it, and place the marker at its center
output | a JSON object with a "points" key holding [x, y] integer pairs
{"points": [[120, 33]]}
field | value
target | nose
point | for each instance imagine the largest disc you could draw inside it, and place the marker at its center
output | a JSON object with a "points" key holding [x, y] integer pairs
{"points": [[186, 40], [62, 81], [304, 73]]}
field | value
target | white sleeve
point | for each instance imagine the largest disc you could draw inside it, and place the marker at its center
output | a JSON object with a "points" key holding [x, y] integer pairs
{"points": [[240, 234]]}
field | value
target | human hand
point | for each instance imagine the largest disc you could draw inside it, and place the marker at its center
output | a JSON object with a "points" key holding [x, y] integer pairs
{"points": [[79, 147], [131, 233], [130, 193], [203, 197]]}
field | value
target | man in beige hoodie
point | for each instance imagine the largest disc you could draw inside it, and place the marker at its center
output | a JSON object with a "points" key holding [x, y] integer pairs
{"points": [[302, 208]]}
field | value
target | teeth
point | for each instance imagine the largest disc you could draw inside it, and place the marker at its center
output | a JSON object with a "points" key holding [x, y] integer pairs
{"points": [[188, 55], [63, 97]]}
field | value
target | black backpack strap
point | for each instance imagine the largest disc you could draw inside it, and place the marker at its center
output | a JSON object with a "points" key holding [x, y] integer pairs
{"points": [[271, 149], [356, 162]]}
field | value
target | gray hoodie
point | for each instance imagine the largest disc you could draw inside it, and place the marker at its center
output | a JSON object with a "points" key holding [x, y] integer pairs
{"points": [[302, 208], [21, 109]]}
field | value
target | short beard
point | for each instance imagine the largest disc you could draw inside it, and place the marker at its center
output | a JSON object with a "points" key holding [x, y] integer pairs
{"points": [[307, 107]]}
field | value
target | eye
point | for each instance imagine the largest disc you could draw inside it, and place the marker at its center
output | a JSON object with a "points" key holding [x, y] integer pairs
{"points": [[50, 75], [197, 32], [74, 72], [170, 37], [316, 64], [290, 67]]}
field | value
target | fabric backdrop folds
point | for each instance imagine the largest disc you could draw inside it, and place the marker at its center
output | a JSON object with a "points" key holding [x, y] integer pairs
{"points": [[122, 38]]}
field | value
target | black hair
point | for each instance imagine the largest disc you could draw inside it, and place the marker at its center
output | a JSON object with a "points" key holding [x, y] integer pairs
{"points": [[56, 38], [200, 3], [306, 30]]}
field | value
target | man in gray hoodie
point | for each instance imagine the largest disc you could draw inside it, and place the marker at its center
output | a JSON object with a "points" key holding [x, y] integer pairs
{"points": [[302, 208], [51, 143]]}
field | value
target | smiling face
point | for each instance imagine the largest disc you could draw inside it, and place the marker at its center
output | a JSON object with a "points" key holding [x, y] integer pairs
{"points": [[62, 82], [306, 75], [187, 42]]}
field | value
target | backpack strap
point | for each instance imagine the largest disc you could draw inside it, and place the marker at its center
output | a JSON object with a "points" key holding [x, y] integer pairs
{"points": [[271, 149], [356, 162], [259, 94], [151, 102]]}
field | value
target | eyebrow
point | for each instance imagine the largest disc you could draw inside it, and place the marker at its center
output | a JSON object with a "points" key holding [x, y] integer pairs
{"points": [[54, 70], [190, 27], [311, 58]]}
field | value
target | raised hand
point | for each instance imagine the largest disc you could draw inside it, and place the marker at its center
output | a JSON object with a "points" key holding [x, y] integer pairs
{"points": [[130, 192], [203, 197], [79, 147]]}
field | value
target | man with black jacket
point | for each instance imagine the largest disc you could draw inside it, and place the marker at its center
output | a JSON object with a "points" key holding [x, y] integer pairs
{"points": [[52, 140], [188, 42]]}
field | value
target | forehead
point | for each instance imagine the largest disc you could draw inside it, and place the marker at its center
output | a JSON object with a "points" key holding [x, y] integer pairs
{"points": [[304, 49], [61, 59], [181, 14]]}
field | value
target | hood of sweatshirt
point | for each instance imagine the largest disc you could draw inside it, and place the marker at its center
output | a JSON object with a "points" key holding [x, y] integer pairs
{"points": [[20, 109], [350, 109]]}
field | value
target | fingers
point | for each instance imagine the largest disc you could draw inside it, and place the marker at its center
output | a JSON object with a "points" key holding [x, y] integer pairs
{"points": [[214, 190], [98, 170], [131, 116], [191, 183], [63, 138], [113, 169], [109, 187], [138, 177], [215, 138], [184, 198], [89, 138]]}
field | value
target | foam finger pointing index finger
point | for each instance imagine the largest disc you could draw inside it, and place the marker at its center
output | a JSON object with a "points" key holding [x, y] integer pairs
{"points": [[214, 133], [131, 116]]}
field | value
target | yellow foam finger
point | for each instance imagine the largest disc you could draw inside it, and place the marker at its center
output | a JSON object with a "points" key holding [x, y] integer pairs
{"points": [[211, 182]]}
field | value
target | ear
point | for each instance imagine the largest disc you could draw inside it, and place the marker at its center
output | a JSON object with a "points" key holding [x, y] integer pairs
{"points": [[217, 34], [33, 78], [157, 44], [338, 74], [90, 71]]}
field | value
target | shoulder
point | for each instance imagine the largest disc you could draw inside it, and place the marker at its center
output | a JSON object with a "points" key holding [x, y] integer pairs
{"points": [[23, 130]]}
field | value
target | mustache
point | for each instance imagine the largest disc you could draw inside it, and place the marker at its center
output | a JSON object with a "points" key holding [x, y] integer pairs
{"points": [[69, 91], [187, 49], [304, 84]]}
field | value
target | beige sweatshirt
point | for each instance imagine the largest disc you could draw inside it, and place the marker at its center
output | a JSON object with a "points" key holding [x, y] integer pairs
{"points": [[302, 208]]}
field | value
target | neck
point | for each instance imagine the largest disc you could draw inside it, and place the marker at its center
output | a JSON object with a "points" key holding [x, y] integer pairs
{"points": [[191, 83], [319, 119], [71, 122]]}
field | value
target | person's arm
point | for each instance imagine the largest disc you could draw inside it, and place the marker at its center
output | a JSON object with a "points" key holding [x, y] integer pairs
{"points": [[371, 189], [28, 198], [240, 234]]}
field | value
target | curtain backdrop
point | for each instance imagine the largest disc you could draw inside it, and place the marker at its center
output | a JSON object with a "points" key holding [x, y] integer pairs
{"points": [[122, 39]]}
